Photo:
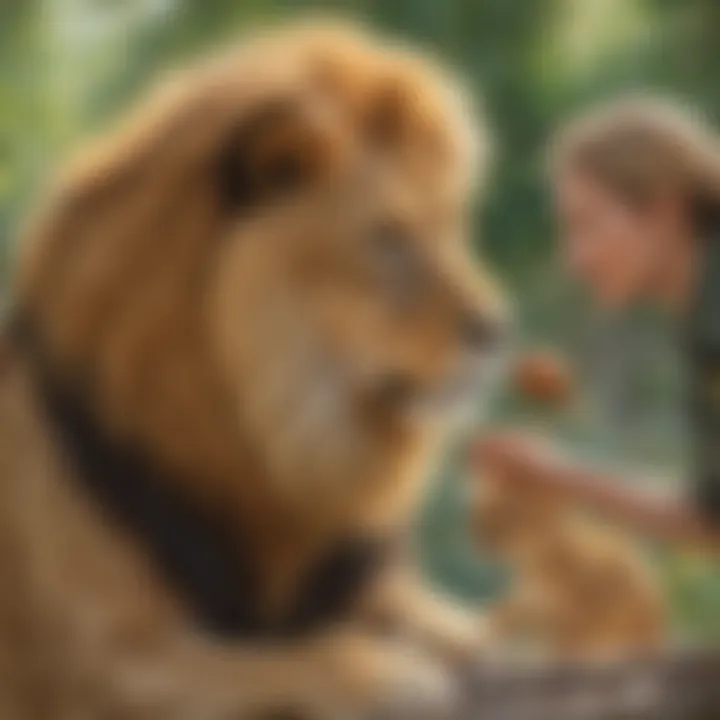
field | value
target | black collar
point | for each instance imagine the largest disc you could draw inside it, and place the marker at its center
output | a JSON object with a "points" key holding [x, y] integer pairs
{"points": [[213, 571]]}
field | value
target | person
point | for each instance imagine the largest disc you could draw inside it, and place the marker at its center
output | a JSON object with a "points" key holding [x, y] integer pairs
{"points": [[636, 187]]}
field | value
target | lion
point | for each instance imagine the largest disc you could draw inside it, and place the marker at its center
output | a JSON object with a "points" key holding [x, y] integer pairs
{"points": [[242, 324], [580, 590]]}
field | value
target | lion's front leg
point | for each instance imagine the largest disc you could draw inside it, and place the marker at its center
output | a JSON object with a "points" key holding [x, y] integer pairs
{"points": [[404, 604], [345, 674]]}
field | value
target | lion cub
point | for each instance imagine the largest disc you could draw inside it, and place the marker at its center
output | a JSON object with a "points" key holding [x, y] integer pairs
{"points": [[580, 589]]}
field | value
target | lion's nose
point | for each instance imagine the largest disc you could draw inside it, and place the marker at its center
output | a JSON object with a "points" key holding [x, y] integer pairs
{"points": [[481, 332]]}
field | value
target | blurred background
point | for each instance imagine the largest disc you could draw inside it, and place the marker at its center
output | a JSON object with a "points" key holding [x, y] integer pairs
{"points": [[67, 67]]}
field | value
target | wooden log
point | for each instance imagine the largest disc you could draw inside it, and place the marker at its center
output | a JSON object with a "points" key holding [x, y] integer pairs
{"points": [[683, 685]]}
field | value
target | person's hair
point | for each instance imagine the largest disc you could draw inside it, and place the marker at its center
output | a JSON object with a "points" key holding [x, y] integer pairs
{"points": [[639, 148]]}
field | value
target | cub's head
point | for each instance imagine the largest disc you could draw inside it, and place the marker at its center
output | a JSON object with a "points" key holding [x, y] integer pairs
{"points": [[515, 522], [272, 258]]}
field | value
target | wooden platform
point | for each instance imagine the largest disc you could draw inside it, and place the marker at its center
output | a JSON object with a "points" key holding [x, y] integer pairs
{"points": [[681, 686]]}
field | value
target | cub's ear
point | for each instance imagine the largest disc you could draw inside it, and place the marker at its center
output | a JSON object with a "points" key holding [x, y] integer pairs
{"points": [[276, 151]]}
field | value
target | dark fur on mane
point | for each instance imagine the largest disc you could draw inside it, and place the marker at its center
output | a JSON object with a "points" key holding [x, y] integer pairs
{"points": [[205, 566]]}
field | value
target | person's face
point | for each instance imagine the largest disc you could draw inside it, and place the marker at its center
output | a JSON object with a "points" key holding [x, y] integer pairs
{"points": [[617, 249]]}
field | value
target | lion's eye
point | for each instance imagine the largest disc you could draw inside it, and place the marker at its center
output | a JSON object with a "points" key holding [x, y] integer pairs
{"points": [[398, 267]]}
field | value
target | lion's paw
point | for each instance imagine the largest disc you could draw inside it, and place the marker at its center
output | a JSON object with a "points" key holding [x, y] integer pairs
{"points": [[414, 687]]}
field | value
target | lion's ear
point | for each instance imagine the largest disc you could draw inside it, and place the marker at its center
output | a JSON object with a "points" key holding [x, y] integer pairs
{"points": [[274, 153]]}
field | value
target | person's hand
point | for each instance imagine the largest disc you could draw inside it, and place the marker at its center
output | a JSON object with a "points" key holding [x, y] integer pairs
{"points": [[517, 456]]}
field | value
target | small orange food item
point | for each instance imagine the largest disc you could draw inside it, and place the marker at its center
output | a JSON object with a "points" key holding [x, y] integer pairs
{"points": [[544, 376]]}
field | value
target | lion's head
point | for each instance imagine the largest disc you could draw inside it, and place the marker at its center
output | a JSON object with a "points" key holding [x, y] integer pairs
{"points": [[269, 263]]}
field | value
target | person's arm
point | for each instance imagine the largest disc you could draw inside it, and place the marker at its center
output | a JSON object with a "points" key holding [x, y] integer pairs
{"points": [[704, 426], [702, 367], [521, 460], [707, 498], [704, 490]]}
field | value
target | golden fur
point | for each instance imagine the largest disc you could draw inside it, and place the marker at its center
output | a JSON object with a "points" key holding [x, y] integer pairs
{"points": [[264, 279], [579, 589]]}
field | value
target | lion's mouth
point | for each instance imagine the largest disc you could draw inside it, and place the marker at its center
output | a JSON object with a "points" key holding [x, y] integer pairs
{"points": [[461, 397], [460, 400]]}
